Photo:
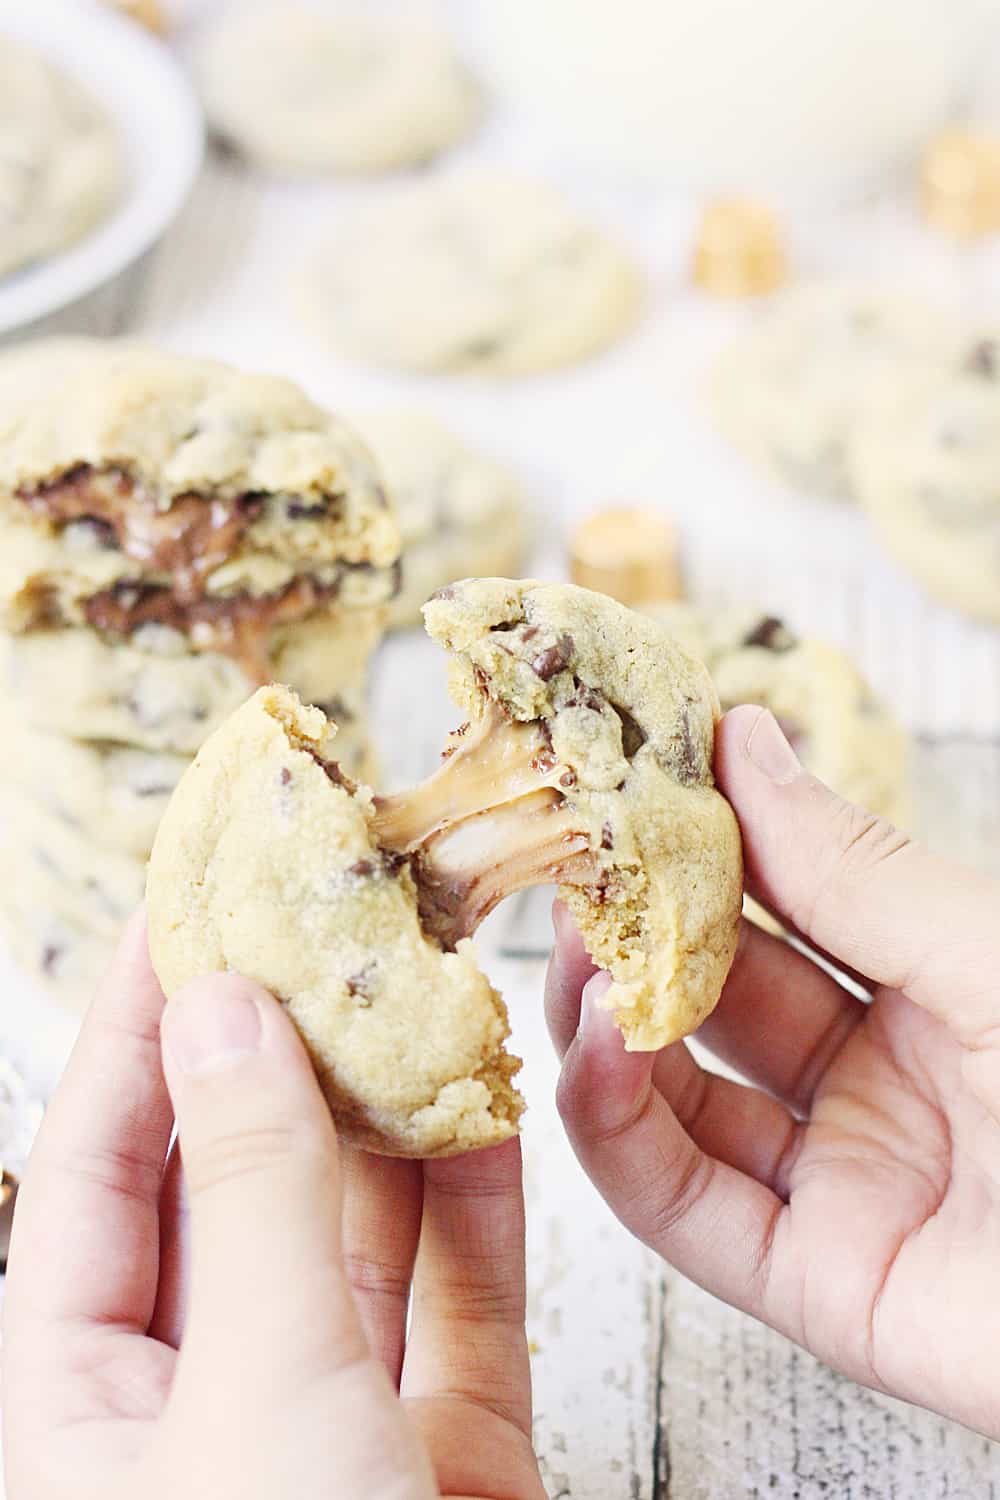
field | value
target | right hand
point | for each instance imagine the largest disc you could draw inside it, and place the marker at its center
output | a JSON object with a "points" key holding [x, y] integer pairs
{"points": [[851, 1197]]}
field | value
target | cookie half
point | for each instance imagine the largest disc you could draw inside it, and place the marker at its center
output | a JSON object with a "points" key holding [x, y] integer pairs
{"points": [[585, 760]]}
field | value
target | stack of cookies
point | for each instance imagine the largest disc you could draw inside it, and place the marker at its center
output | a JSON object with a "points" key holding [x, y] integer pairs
{"points": [[175, 533]]}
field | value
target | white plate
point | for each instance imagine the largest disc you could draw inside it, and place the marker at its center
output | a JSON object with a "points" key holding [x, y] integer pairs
{"points": [[159, 122]]}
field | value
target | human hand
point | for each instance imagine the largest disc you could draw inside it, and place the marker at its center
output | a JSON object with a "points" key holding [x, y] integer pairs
{"points": [[264, 1371], [851, 1198]]}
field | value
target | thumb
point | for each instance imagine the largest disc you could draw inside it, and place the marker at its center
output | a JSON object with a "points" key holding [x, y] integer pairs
{"points": [[856, 886], [260, 1163]]}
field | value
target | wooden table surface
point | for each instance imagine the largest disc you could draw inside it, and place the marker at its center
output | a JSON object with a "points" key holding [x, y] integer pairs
{"points": [[645, 1387]]}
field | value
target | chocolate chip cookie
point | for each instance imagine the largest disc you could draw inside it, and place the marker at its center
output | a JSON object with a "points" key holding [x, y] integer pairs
{"points": [[475, 271], [59, 868], [928, 474], [791, 391], [584, 759], [115, 795], [63, 957], [300, 91], [155, 693], [460, 513], [846, 735]]}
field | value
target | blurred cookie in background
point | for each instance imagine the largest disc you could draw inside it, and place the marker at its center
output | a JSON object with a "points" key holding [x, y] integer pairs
{"points": [[305, 89], [838, 727], [61, 162], [928, 474], [477, 271], [790, 391], [460, 513]]}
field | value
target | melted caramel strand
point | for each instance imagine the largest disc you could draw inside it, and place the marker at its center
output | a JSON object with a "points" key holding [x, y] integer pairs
{"points": [[466, 870], [490, 761], [186, 541], [238, 625]]}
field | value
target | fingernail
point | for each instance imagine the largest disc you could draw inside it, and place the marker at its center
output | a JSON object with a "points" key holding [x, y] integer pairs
{"points": [[595, 1018], [212, 1024], [769, 750]]}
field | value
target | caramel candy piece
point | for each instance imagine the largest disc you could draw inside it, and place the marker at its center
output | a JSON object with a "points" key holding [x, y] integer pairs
{"points": [[148, 13], [738, 250], [960, 183], [8, 1192], [629, 554]]}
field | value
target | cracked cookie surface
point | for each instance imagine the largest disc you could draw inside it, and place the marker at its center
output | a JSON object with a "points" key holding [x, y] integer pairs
{"points": [[585, 760], [299, 91], [843, 732], [928, 467], [476, 271]]}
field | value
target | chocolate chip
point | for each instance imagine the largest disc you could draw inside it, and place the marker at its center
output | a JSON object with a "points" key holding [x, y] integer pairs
{"points": [[359, 986], [251, 503], [362, 868], [333, 772], [529, 633], [285, 776], [982, 359], [633, 734], [607, 837], [771, 633], [586, 697], [478, 350], [392, 861], [692, 767], [396, 578], [543, 762], [553, 659], [336, 709], [568, 779], [297, 510], [448, 592], [51, 954]]}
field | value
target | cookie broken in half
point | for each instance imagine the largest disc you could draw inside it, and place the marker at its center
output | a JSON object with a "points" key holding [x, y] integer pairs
{"points": [[585, 760]]}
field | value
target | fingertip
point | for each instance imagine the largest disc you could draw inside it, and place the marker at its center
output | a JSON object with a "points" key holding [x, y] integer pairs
{"points": [[570, 967], [217, 1021], [602, 1084]]}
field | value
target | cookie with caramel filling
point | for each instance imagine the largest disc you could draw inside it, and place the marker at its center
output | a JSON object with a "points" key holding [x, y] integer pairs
{"points": [[139, 486], [585, 759]]}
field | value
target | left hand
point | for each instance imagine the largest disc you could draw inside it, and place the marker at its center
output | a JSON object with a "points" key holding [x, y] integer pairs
{"points": [[253, 1343]]}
